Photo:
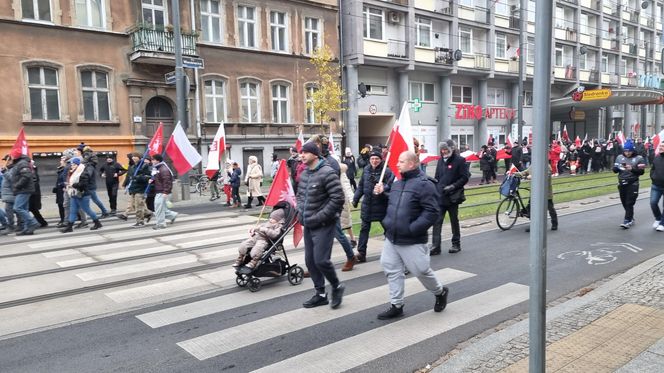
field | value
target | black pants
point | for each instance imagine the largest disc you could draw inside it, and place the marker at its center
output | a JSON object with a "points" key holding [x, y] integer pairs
{"points": [[235, 192], [38, 216], [112, 190], [628, 195], [317, 251], [552, 212], [364, 236], [453, 210], [61, 212], [352, 183], [486, 176]]}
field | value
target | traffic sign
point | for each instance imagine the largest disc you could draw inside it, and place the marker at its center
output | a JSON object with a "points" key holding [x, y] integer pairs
{"points": [[170, 78], [416, 105], [192, 62]]}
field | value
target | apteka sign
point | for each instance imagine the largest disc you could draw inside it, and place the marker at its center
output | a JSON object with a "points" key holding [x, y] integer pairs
{"points": [[464, 111]]}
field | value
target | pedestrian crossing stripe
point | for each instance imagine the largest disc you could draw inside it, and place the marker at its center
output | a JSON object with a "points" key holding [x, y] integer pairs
{"points": [[224, 341], [353, 352], [99, 248], [114, 256]]}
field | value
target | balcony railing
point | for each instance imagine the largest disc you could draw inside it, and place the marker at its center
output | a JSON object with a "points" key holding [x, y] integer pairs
{"points": [[397, 48], [570, 72], [570, 34], [614, 79], [448, 10], [571, 1], [594, 76], [482, 61], [632, 49], [444, 56], [633, 15], [148, 39], [515, 22]]}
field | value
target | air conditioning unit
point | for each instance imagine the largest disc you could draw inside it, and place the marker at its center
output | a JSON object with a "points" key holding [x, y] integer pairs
{"points": [[393, 17]]}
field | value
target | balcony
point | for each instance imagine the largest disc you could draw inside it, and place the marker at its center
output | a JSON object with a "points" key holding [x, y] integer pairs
{"points": [[571, 1], [158, 47], [515, 23], [570, 34], [570, 72], [594, 76], [444, 56], [397, 48], [481, 15], [614, 79], [482, 61], [634, 16]]}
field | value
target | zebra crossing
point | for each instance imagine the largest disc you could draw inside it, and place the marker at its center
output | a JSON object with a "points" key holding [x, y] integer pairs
{"points": [[181, 278]]}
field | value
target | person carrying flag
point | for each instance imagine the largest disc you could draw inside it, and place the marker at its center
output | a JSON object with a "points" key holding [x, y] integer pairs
{"points": [[136, 184]]}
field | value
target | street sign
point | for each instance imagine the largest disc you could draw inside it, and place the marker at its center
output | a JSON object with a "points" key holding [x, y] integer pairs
{"points": [[373, 109], [416, 105], [596, 94], [170, 78], [192, 62]]}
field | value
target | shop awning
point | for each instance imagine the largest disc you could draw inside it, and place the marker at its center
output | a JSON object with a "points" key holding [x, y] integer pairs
{"points": [[597, 99]]}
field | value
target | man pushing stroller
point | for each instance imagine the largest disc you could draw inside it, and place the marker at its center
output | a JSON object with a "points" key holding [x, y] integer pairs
{"points": [[260, 239]]}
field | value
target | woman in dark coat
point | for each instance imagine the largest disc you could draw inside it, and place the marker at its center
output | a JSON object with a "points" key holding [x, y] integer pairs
{"points": [[59, 191], [486, 160], [35, 199]]}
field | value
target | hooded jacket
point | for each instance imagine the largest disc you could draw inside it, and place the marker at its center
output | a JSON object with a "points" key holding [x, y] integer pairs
{"points": [[374, 207], [453, 172], [23, 178], [657, 170], [320, 197]]}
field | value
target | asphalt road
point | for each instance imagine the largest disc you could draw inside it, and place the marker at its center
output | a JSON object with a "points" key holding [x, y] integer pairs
{"points": [[124, 343]]}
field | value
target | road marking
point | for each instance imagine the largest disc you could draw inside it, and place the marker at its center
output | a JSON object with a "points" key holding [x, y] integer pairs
{"points": [[66, 242], [97, 248], [114, 256], [221, 342], [363, 348]]}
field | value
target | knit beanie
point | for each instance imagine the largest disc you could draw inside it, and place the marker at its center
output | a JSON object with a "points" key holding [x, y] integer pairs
{"points": [[311, 147], [277, 215]]}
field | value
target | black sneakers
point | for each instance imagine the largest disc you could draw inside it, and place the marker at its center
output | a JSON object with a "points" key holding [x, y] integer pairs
{"points": [[441, 300], [337, 295], [454, 249], [392, 313], [316, 301], [434, 251]]}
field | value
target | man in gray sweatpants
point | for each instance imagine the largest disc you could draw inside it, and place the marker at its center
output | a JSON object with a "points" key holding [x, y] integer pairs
{"points": [[412, 209]]}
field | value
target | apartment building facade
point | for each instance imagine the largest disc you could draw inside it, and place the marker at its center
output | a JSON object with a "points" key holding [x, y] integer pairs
{"points": [[405, 51], [94, 71]]}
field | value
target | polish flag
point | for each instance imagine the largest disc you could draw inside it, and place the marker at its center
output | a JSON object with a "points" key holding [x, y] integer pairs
{"points": [[428, 157], [282, 190], [21, 143], [621, 138], [156, 145], [299, 142], [179, 149], [502, 154], [330, 145], [512, 170], [656, 140], [470, 156], [508, 141], [401, 140], [577, 141], [217, 149], [585, 138], [565, 134]]}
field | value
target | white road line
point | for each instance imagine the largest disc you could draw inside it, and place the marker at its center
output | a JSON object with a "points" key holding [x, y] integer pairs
{"points": [[224, 341], [65, 242], [352, 352], [114, 256], [97, 248], [206, 307]]}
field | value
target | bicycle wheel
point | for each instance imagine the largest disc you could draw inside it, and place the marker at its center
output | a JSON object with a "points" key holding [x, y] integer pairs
{"points": [[507, 212], [201, 186]]}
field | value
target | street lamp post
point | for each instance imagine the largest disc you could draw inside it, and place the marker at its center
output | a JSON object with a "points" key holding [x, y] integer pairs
{"points": [[180, 89]]}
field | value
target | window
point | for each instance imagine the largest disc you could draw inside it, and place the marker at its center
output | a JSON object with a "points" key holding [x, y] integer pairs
{"points": [[623, 66], [583, 24], [423, 26], [246, 26], [582, 61], [211, 21], [559, 57], [568, 55], [462, 94], [605, 63], [503, 8], [91, 13], [527, 98], [376, 89], [531, 11], [501, 45], [43, 86], [311, 113], [495, 97], [278, 31], [94, 85], [468, 3], [250, 102], [39, 10], [311, 35], [280, 103], [531, 50], [215, 101], [154, 13], [373, 23], [466, 39], [560, 17], [421, 91]]}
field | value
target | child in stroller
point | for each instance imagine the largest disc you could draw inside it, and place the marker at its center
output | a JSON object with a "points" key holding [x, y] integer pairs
{"points": [[260, 239]]}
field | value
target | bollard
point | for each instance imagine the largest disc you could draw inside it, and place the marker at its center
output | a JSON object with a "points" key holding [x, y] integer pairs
{"points": [[176, 191]]}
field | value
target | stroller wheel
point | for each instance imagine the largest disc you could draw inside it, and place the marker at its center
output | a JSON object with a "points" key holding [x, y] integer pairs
{"points": [[254, 285], [241, 280], [295, 275]]}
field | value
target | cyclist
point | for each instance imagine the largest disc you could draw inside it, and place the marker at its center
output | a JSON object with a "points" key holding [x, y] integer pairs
{"points": [[527, 173]]}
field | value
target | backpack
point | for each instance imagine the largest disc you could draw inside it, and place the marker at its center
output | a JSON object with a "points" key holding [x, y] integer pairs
{"points": [[509, 185]]}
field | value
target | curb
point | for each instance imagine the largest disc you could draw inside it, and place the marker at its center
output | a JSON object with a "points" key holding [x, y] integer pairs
{"points": [[473, 352]]}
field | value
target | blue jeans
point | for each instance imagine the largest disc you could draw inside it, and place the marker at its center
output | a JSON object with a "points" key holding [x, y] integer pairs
{"points": [[9, 212], [656, 194], [97, 201], [82, 203], [21, 207], [3, 218], [343, 240]]}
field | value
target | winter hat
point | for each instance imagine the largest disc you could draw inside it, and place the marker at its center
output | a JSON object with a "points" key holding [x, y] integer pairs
{"points": [[277, 215], [136, 154], [376, 153], [81, 146], [311, 147], [448, 144], [16, 153], [75, 160], [629, 145]]}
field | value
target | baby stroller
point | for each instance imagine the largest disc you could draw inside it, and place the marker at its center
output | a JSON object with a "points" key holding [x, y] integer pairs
{"points": [[270, 264]]}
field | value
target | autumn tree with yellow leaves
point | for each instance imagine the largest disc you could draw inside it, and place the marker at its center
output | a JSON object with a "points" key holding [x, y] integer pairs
{"points": [[327, 98]]}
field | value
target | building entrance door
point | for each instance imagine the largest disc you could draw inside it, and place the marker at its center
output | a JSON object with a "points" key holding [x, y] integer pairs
{"points": [[158, 110]]}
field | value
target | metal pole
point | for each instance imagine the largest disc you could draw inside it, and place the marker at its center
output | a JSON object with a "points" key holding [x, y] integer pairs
{"points": [[180, 89], [539, 185], [342, 71], [522, 66]]}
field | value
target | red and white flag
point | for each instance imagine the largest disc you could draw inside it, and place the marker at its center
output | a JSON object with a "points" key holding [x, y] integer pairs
{"points": [[282, 190], [621, 138], [470, 156], [215, 152], [585, 138], [156, 145], [512, 170], [401, 140], [428, 157], [508, 141], [577, 141], [502, 154], [181, 152], [656, 140], [299, 142], [21, 143], [565, 134], [330, 145]]}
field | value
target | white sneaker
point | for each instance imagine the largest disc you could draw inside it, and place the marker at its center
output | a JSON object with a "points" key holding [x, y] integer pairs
{"points": [[660, 228], [656, 224]]}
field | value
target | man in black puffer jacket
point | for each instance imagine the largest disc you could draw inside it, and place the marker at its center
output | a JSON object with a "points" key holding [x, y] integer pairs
{"points": [[23, 186], [374, 206], [451, 176], [320, 200], [411, 211]]}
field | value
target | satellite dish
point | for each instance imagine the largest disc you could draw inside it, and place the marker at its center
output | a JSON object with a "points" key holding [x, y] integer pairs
{"points": [[644, 4], [583, 49], [458, 55], [362, 88]]}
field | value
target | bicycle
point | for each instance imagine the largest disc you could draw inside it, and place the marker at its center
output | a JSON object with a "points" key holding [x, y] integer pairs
{"points": [[512, 206], [198, 184]]}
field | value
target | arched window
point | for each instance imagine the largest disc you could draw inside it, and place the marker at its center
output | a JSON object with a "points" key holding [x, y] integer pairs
{"points": [[215, 101], [250, 101], [309, 103]]}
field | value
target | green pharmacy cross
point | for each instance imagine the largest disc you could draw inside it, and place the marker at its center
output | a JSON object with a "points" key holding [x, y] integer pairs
{"points": [[416, 105]]}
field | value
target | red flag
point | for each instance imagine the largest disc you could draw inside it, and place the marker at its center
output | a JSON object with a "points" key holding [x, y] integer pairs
{"points": [[282, 190], [402, 140], [565, 134], [577, 141], [470, 156], [21, 143], [217, 148], [502, 154], [428, 157], [179, 149], [156, 145], [508, 141], [512, 170], [656, 140], [299, 142]]}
